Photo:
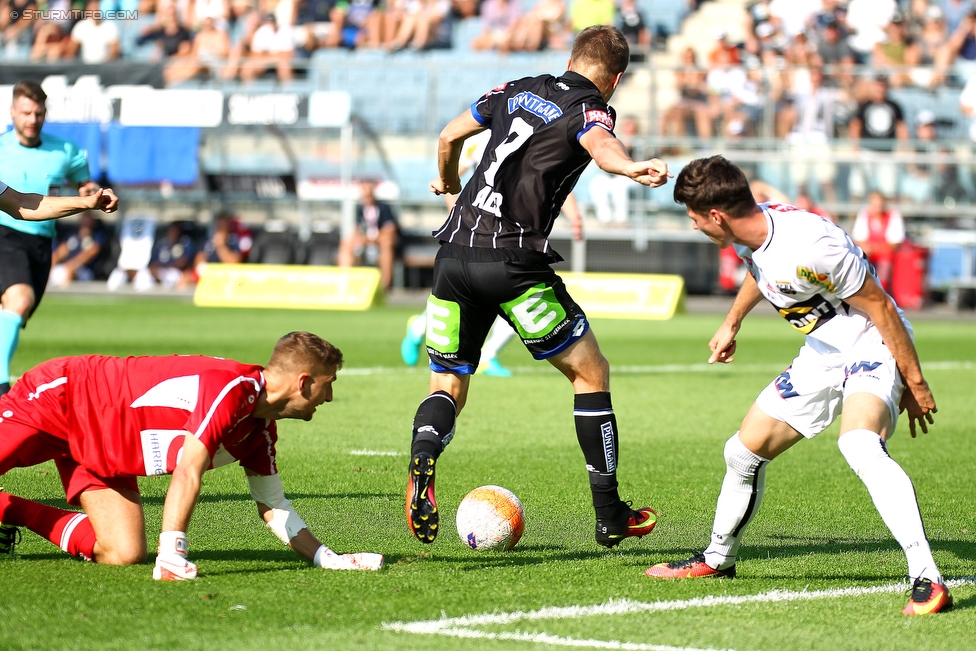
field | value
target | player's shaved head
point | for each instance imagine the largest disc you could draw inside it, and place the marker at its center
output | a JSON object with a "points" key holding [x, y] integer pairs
{"points": [[714, 182], [299, 351], [601, 48]]}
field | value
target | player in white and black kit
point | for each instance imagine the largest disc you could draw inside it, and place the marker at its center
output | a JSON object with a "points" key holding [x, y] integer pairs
{"points": [[495, 260], [858, 363]]}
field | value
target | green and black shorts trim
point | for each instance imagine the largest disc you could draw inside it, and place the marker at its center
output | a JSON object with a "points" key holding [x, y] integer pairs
{"points": [[474, 285]]}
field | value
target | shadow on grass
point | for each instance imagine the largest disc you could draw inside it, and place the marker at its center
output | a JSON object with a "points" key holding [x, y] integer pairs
{"points": [[205, 498]]}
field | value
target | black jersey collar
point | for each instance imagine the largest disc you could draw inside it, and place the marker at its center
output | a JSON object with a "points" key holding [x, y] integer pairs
{"points": [[571, 78]]}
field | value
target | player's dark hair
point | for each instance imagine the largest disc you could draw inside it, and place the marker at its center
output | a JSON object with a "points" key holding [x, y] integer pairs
{"points": [[602, 45], [31, 90], [714, 182], [301, 350]]}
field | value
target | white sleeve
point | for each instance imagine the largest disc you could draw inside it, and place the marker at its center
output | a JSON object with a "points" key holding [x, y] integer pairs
{"points": [[859, 232], [846, 267], [895, 233]]}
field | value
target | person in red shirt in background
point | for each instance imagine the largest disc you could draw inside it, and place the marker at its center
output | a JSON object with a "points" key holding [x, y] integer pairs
{"points": [[107, 420], [879, 231]]}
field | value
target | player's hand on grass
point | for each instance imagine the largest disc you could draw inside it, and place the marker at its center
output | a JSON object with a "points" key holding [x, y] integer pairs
{"points": [[105, 200], [328, 559], [171, 561], [919, 402]]}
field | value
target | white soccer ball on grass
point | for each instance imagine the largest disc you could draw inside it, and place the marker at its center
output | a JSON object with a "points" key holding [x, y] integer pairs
{"points": [[490, 517]]}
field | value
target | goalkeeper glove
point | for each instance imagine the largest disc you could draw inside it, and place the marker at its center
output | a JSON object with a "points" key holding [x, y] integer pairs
{"points": [[328, 559], [171, 562]]}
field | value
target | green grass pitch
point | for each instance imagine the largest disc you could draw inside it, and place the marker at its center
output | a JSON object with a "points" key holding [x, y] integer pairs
{"points": [[818, 551]]}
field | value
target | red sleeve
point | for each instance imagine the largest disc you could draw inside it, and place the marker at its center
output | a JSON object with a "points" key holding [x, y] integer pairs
{"points": [[261, 459], [225, 399]]}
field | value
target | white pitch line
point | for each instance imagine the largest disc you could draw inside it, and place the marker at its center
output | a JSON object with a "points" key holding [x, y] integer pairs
{"points": [[462, 626], [375, 453], [947, 365]]}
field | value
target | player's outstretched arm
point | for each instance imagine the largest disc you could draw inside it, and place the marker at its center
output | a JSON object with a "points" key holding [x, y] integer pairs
{"points": [[181, 498], [723, 344], [288, 526], [917, 400], [449, 145], [36, 207], [611, 156]]}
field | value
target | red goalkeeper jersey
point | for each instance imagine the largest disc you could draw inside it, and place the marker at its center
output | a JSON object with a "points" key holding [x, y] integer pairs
{"points": [[128, 416]]}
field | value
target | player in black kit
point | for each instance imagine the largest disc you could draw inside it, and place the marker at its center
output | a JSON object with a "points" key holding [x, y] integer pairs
{"points": [[495, 259]]}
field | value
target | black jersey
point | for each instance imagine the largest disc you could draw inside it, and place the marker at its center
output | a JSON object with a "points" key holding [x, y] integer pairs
{"points": [[531, 163]]}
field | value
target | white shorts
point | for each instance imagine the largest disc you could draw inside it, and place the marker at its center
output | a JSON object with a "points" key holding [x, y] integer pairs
{"points": [[809, 395]]}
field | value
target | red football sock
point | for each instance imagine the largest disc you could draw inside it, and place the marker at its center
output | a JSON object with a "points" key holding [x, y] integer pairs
{"points": [[69, 530]]}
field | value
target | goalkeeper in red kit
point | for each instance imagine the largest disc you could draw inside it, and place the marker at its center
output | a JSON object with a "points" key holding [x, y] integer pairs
{"points": [[106, 420]]}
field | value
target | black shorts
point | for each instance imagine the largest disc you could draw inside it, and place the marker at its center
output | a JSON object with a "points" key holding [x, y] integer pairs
{"points": [[24, 259], [474, 285]]}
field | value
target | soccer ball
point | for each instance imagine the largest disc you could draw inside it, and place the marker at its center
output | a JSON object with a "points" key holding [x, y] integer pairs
{"points": [[490, 517]]}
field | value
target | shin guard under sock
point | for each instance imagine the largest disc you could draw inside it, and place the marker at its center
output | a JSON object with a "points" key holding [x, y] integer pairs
{"points": [[433, 426], [596, 431]]}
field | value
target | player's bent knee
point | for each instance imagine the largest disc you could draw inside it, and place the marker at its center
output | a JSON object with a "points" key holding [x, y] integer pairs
{"points": [[134, 554], [862, 448]]}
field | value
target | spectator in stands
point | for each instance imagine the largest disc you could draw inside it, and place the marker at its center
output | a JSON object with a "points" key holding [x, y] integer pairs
{"points": [[932, 41], [173, 257], [895, 52], [14, 28], [357, 23], [803, 201], [832, 46], [960, 50], [271, 47], [630, 21], [879, 121], [967, 105], [725, 51], [610, 193], [171, 37], [807, 122], [52, 36], [692, 105], [866, 19], [209, 49], [727, 83], [878, 230], [543, 26], [792, 16], [376, 237], [200, 10], [241, 25], [314, 26], [498, 23], [97, 39], [955, 11], [831, 11], [229, 243], [76, 253], [586, 13], [924, 181], [415, 23]]}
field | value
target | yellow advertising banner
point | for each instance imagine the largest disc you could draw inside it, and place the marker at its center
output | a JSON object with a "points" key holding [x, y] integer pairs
{"points": [[626, 296], [295, 287]]}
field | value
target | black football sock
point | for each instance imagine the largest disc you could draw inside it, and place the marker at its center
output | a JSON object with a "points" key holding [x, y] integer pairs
{"points": [[596, 430], [433, 426]]}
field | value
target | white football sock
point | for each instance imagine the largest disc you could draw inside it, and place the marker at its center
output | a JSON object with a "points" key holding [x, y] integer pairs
{"points": [[742, 493], [498, 336], [893, 496]]}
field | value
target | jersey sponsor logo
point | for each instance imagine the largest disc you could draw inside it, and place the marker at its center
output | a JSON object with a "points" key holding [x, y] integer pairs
{"points": [[443, 325], [861, 367], [785, 386], [535, 105], [609, 451], [785, 287], [161, 449], [489, 201], [536, 313], [818, 279], [808, 315], [597, 117]]}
